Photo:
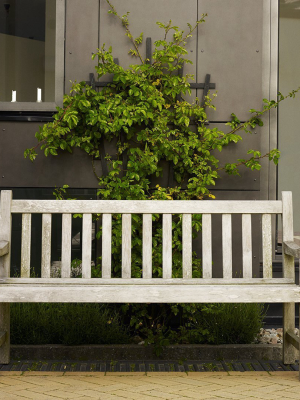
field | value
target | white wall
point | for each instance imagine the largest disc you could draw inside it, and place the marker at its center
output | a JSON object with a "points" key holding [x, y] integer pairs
{"points": [[21, 68], [289, 112]]}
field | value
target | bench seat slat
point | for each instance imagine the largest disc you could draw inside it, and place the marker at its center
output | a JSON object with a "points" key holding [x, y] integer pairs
{"points": [[66, 245], [86, 245], [26, 245], [150, 293], [46, 245], [147, 206]]}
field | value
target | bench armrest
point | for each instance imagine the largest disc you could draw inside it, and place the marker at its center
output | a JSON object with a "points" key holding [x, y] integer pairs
{"points": [[4, 247], [291, 249]]}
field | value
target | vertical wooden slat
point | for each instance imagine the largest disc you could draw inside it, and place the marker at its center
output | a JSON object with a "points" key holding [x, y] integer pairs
{"points": [[86, 245], [147, 246], [126, 246], [288, 272], [26, 244], [227, 246], [287, 233], [247, 245], [106, 245], [66, 245], [167, 246], [267, 245], [187, 246], [46, 245], [5, 230], [206, 246], [5, 234]]}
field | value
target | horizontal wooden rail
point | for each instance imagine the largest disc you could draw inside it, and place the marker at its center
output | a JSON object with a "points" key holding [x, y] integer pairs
{"points": [[145, 281], [146, 207], [149, 293]]}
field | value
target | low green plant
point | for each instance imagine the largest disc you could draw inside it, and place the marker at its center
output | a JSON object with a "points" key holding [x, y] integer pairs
{"points": [[69, 324]]}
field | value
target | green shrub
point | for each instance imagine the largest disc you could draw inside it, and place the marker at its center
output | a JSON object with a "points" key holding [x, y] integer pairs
{"points": [[77, 324], [68, 324]]}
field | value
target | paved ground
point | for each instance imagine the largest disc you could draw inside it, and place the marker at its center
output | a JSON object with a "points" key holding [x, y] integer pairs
{"points": [[40, 385]]}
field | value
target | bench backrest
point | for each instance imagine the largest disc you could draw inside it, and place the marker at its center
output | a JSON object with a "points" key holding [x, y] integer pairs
{"points": [[147, 208]]}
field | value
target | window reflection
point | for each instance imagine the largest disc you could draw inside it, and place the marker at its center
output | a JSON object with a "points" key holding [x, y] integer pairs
{"points": [[27, 48]]}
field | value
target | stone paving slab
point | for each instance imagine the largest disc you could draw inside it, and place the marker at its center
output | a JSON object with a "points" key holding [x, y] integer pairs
{"points": [[42, 385]]}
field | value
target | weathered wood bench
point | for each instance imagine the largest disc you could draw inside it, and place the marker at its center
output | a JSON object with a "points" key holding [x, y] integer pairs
{"points": [[147, 289]]}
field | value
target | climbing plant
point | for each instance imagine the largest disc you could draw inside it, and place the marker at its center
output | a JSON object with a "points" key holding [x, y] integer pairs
{"points": [[143, 112]]}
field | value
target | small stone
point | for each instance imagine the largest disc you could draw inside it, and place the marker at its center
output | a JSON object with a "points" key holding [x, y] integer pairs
{"points": [[273, 341]]}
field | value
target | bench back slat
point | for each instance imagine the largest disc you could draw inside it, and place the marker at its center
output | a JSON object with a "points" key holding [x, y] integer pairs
{"points": [[106, 245], [247, 245], [5, 229], [267, 245], [66, 245], [147, 206], [147, 209], [227, 245], [206, 247], [86, 245], [26, 245], [167, 246], [187, 246], [126, 246], [46, 245], [287, 233], [147, 246]]}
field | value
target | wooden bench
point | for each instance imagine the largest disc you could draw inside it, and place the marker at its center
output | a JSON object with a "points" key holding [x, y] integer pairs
{"points": [[248, 289]]}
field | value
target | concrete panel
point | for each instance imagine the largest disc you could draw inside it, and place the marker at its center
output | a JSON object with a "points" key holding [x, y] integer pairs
{"points": [[143, 17], [72, 169], [82, 20], [236, 236], [230, 49]]}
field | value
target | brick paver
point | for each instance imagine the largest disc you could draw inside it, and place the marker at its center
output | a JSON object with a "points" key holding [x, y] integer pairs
{"points": [[151, 386]]}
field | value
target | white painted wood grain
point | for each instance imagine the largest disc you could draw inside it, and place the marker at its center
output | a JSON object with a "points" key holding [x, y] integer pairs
{"points": [[86, 245], [227, 245], [5, 230], [247, 245], [66, 245], [267, 245], [206, 246], [147, 206], [46, 245], [149, 294], [26, 245], [147, 246], [187, 246], [126, 246], [167, 246], [106, 245], [287, 233]]}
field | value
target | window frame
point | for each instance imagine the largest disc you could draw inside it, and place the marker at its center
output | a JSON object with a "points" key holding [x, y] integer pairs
{"points": [[59, 71]]}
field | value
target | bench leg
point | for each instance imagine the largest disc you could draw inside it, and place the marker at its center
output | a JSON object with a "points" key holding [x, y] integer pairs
{"points": [[5, 333], [289, 354]]}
